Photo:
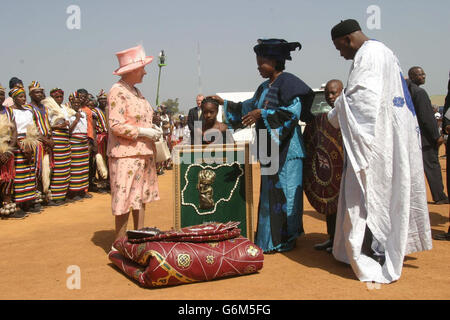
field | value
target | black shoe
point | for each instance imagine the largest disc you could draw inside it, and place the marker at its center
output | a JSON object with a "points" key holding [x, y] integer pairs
{"points": [[442, 236], [325, 245], [93, 189], [18, 215], [443, 201], [87, 195], [51, 203], [36, 209], [56, 203], [329, 250]]}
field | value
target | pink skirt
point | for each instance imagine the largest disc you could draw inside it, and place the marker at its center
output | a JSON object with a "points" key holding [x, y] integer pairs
{"points": [[133, 182]]}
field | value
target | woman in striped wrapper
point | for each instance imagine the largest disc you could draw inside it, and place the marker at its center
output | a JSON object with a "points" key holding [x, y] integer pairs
{"points": [[27, 154], [59, 116], [79, 175], [8, 140]]}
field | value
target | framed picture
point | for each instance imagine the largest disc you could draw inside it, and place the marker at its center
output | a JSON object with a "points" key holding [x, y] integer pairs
{"points": [[213, 183]]}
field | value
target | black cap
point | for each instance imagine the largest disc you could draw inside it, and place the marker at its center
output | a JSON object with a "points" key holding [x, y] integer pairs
{"points": [[278, 49], [345, 27]]}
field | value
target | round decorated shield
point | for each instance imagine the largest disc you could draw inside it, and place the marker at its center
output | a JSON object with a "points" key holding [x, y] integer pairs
{"points": [[322, 169]]}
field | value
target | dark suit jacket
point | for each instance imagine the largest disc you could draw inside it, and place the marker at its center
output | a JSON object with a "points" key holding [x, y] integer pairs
{"points": [[192, 116], [425, 115], [445, 121]]}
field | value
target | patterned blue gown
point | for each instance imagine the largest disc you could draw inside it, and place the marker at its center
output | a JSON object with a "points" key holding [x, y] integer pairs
{"points": [[282, 104]]}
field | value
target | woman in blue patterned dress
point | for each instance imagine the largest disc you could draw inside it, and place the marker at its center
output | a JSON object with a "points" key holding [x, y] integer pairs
{"points": [[276, 108]]}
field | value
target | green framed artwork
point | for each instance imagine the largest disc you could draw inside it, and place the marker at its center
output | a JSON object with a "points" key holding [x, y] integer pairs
{"points": [[213, 183]]}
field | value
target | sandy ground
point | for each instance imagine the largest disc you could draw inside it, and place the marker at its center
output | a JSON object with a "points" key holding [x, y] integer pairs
{"points": [[39, 252]]}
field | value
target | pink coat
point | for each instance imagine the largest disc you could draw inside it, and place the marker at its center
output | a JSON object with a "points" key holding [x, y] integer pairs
{"points": [[126, 113]]}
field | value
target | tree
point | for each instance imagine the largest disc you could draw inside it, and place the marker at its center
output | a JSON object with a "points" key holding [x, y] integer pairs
{"points": [[172, 105]]}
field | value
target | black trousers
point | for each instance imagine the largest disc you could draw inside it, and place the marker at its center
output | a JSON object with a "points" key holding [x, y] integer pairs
{"points": [[447, 160], [331, 224], [433, 172]]}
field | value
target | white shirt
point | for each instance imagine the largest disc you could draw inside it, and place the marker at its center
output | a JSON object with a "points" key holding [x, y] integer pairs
{"points": [[82, 125], [23, 119]]}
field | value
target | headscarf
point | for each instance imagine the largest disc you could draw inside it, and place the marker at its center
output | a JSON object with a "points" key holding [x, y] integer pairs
{"points": [[101, 94], [56, 90], [277, 49], [73, 95], [16, 91]]}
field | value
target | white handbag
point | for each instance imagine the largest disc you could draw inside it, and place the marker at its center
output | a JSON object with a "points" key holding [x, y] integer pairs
{"points": [[162, 151]]}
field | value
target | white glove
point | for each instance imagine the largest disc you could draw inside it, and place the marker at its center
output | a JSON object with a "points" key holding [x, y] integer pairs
{"points": [[154, 126], [150, 133]]}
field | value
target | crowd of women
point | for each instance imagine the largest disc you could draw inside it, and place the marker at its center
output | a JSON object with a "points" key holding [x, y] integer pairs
{"points": [[50, 153]]}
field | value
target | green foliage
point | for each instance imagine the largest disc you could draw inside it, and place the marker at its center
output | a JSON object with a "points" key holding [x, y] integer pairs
{"points": [[172, 105]]}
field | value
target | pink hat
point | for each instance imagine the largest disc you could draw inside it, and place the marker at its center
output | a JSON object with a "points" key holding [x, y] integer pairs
{"points": [[131, 59]]}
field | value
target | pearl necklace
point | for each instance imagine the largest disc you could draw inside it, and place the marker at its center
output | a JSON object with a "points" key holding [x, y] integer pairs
{"points": [[133, 90], [220, 200]]}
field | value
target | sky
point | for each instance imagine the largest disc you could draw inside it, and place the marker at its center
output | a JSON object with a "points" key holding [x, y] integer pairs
{"points": [[38, 44]]}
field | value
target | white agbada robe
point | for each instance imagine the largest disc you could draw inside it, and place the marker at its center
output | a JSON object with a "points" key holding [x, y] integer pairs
{"points": [[383, 183]]}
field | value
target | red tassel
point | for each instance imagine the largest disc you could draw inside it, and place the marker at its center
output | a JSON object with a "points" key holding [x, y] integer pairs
{"points": [[52, 160], [8, 170], [39, 155], [102, 139]]}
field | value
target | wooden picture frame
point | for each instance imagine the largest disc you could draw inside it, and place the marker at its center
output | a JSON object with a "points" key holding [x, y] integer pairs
{"points": [[232, 189]]}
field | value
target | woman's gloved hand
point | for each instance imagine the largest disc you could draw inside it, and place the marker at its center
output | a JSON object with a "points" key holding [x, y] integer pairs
{"points": [[154, 126], [150, 133]]}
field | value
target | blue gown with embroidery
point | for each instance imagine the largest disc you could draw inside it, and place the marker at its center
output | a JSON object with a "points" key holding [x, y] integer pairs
{"points": [[282, 105]]}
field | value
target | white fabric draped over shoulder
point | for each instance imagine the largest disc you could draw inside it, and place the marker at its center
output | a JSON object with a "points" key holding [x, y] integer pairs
{"points": [[383, 184]]}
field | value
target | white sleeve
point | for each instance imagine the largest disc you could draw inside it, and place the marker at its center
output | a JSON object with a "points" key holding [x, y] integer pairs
{"points": [[332, 116]]}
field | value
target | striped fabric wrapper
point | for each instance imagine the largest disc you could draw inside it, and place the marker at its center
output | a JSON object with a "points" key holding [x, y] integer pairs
{"points": [[79, 172], [101, 120], [25, 179], [8, 111], [41, 120], [62, 159]]}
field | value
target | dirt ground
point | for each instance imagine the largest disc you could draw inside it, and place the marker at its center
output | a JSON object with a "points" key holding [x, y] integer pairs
{"points": [[38, 253]]}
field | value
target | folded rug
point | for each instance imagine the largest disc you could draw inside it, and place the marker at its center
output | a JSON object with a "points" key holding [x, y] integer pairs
{"points": [[197, 253]]}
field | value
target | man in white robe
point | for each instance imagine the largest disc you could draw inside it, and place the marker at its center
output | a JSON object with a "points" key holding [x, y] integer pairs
{"points": [[382, 213]]}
